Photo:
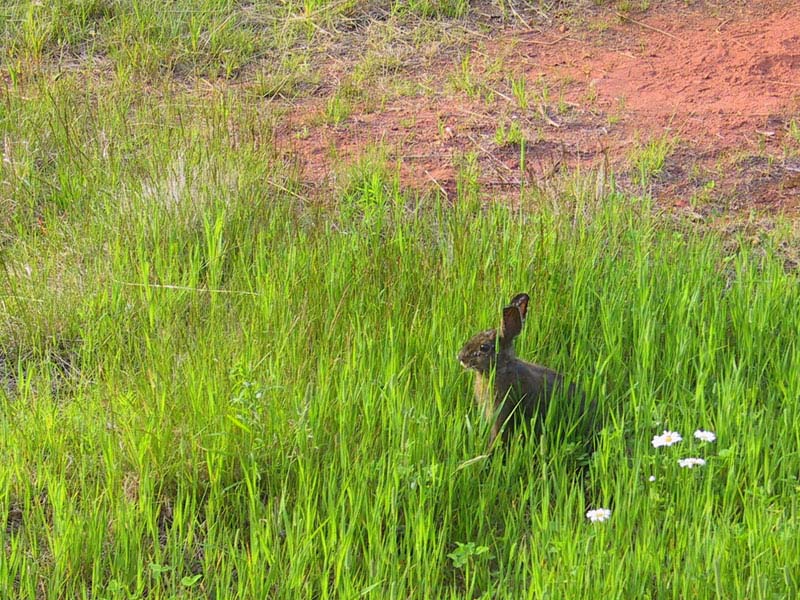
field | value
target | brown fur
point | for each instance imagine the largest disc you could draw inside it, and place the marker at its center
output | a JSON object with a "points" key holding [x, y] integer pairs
{"points": [[509, 390]]}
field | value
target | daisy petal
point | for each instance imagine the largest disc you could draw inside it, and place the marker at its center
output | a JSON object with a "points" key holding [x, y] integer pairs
{"points": [[705, 436], [598, 515]]}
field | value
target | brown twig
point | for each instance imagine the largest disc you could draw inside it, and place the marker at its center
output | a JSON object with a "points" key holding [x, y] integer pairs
{"points": [[26, 298], [492, 157], [646, 26], [546, 117], [519, 16], [721, 25], [186, 288], [551, 43], [439, 185], [501, 94], [284, 189]]}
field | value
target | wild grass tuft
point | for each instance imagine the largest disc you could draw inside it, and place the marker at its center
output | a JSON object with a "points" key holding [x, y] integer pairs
{"points": [[649, 158]]}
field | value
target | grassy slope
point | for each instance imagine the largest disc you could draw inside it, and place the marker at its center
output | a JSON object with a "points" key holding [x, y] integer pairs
{"points": [[299, 431]]}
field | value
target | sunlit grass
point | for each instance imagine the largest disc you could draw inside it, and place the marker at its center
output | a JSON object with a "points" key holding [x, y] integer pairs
{"points": [[213, 384]]}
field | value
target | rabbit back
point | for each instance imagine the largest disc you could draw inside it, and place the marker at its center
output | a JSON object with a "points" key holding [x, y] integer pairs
{"points": [[522, 392]]}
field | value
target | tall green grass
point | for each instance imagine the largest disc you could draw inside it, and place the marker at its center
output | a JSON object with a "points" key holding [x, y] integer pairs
{"points": [[212, 385]]}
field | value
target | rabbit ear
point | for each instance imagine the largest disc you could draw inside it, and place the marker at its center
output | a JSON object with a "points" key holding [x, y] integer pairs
{"points": [[521, 302], [512, 325]]}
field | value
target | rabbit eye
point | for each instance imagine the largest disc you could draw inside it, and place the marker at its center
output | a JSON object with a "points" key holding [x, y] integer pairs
{"points": [[486, 346]]}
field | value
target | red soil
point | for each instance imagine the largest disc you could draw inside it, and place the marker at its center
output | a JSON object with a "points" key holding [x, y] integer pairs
{"points": [[725, 84]]}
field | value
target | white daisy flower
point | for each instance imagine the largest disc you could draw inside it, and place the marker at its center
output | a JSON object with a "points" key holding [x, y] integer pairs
{"points": [[689, 463], [705, 436], [598, 515], [668, 438]]}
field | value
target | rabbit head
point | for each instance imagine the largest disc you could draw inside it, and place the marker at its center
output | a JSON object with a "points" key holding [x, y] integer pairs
{"points": [[485, 349]]}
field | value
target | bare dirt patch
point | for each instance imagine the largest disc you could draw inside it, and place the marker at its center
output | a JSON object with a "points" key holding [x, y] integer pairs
{"points": [[722, 85]]}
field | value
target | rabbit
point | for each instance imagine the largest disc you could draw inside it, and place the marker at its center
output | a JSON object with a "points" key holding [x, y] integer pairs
{"points": [[520, 391]]}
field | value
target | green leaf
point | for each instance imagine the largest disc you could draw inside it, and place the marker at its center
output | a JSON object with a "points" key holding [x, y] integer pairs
{"points": [[159, 569], [190, 581]]}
